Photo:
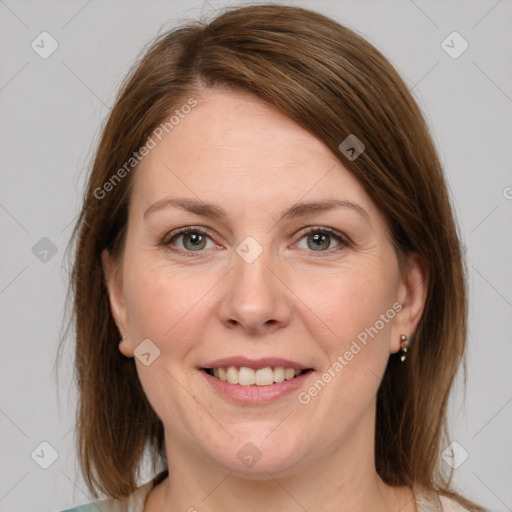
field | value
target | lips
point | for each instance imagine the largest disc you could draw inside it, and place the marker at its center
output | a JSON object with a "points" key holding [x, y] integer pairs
{"points": [[254, 372]]}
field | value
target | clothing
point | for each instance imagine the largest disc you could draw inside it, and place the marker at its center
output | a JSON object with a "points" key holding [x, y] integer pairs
{"points": [[425, 502], [134, 503], [431, 502]]}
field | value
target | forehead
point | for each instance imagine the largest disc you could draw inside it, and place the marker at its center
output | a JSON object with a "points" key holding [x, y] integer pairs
{"points": [[232, 146]]}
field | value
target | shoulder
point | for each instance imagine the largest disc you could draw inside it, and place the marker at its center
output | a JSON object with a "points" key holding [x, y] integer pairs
{"points": [[430, 501], [450, 505], [134, 502], [103, 506], [126, 505]]}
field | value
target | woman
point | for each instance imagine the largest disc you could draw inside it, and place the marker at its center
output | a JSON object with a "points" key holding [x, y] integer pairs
{"points": [[269, 293]]}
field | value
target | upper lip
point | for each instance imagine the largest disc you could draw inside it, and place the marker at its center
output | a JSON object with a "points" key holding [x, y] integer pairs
{"points": [[239, 361]]}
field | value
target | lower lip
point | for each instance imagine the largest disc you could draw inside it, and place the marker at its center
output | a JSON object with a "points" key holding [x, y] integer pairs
{"points": [[256, 394]]}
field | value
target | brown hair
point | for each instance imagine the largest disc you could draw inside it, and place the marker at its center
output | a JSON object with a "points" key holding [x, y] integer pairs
{"points": [[333, 83]]}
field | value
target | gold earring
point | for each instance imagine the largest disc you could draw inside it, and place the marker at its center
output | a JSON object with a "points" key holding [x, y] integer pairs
{"points": [[404, 344]]}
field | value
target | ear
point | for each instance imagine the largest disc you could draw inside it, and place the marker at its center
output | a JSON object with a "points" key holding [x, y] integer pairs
{"points": [[114, 283], [412, 293]]}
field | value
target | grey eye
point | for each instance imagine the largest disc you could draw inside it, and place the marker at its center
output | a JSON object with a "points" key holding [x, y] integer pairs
{"points": [[193, 241], [318, 241], [322, 240]]}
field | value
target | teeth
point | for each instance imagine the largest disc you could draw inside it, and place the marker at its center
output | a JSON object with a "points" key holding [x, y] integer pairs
{"points": [[245, 376], [289, 373], [278, 374], [264, 377], [232, 375]]}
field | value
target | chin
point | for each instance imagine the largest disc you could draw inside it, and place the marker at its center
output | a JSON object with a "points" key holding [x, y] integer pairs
{"points": [[254, 456]]}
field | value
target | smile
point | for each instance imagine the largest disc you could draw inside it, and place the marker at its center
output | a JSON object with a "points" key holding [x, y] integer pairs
{"points": [[245, 376]]}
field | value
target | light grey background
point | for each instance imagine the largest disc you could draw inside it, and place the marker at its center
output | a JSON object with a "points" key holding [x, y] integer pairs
{"points": [[50, 115]]}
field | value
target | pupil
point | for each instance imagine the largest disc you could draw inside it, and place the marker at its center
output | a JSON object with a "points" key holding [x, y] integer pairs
{"points": [[319, 241], [194, 241]]}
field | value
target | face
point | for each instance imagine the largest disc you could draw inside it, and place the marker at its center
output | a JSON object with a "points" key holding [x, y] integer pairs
{"points": [[250, 246]]}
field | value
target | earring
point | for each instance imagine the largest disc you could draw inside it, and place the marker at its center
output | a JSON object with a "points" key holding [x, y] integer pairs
{"points": [[404, 344]]}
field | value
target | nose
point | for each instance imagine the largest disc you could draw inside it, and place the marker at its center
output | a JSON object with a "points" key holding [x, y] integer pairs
{"points": [[255, 299]]}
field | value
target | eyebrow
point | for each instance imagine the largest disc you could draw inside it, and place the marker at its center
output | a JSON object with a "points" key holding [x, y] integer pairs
{"points": [[300, 209]]}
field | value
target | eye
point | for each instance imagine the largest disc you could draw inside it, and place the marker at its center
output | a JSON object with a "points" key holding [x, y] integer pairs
{"points": [[189, 239], [195, 239], [321, 240]]}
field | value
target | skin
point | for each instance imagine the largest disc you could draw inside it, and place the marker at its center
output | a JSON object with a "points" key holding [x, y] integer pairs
{"points": [[292, 302]]}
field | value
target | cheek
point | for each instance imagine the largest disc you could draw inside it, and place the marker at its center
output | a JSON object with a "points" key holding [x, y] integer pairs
{"points": [[163, 307], [160, 299], [352, 325], [351, 303]]}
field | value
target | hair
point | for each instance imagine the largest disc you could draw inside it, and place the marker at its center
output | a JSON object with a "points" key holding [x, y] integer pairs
{"points": [[333, 83]]}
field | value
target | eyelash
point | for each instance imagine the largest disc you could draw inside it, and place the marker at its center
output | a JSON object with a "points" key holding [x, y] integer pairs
{"points": [[173, 235]]}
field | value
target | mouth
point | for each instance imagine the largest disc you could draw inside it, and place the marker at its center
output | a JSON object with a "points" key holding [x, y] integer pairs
{"points": [[246, 376]]}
